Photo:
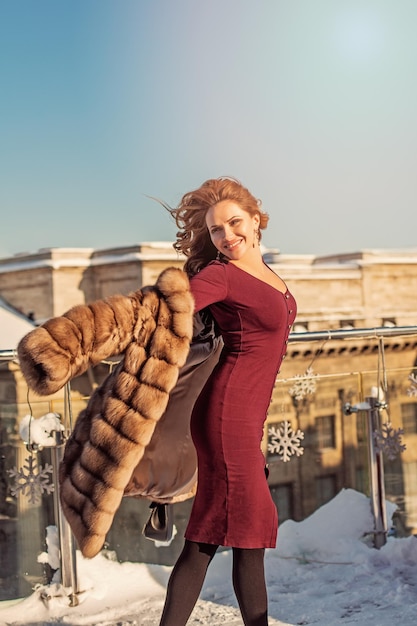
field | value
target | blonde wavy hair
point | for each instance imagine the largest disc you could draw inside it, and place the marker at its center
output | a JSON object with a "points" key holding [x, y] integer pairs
{"points": [[193, 237]]}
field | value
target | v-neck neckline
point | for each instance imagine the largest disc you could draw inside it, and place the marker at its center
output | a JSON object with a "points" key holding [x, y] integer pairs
{"points": [[260, 279]]}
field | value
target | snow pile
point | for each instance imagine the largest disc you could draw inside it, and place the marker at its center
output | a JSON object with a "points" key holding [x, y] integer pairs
{"points": [[40, 431], [343, 527], [52, 555], [324, 571]]}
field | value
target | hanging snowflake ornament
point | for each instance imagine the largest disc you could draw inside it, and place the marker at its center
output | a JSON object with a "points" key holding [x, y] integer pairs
{"points": [[284, 441], [412, 391], [304, 385], [32, 479], [388, 441]]}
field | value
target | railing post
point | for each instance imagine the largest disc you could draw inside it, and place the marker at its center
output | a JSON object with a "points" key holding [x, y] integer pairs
{"points": [[67, 549], [376, 475], [376, 467]]}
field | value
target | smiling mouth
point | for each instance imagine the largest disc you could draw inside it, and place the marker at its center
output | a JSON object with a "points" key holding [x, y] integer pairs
{"points": [[233, 245]]}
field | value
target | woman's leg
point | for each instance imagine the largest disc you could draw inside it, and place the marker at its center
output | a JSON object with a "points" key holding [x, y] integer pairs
{"points": [[249, 585], [185, 582]]}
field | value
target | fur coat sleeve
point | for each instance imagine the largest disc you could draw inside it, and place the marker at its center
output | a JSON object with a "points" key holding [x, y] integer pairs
{"points": [[64, 347], [152, 328]]}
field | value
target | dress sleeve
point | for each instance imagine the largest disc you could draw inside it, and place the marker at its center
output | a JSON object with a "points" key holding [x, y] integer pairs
{"points": [[209, 285]]}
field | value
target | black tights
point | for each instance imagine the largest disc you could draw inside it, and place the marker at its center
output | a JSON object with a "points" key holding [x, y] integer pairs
{"points": [[188, 576]]}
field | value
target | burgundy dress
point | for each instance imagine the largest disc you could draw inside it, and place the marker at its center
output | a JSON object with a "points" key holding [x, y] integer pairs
{"points": [[233, 504]]}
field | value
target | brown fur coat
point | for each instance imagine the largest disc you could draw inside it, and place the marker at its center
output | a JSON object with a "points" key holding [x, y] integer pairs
{"points": [[152, 329]]}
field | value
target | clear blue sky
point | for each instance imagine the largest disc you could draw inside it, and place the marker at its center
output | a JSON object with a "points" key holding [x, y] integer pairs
{"points": [[311, 103]]}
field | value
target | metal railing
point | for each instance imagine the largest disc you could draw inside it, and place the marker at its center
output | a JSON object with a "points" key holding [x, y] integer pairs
{"points": [[320, 335], [8, 355], [67, 544], [354, 333], [371, 406]]}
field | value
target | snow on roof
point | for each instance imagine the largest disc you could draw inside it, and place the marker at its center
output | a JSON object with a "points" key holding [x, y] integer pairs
{"points": [[13, 326]]}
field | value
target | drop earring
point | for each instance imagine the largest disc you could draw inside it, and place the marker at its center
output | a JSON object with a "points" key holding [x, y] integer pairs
{"points": [[218, 255]]}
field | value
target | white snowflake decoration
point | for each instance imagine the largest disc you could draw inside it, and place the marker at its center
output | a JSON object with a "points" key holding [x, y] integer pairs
{"points": [[412, 391], [304, 385], [284, 441], [32, 479], [388, 441]]}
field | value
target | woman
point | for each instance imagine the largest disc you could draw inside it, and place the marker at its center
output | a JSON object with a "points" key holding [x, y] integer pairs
{"points": [[220, 230]]}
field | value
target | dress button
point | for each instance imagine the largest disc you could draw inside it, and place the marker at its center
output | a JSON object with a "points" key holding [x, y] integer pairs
{"points": [[287, 295], [290, 311]]}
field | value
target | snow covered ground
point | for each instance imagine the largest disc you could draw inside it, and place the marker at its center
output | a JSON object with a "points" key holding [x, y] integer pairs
{"points": [[324, 571]]}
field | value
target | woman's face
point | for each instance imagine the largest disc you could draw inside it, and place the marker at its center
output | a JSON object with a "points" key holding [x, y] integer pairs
{"points": [[232, 229]]}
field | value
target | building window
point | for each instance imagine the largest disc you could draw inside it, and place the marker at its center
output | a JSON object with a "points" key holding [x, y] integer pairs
{"points": [[410, 492], [283, 496], [361, 427], [409, 417], [300, 327], [325, 432], [325, 489], [362, 480], [347, 324]]}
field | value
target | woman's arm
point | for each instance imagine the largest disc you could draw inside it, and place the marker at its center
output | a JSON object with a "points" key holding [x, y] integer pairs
{"points": [[209, 285]]}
